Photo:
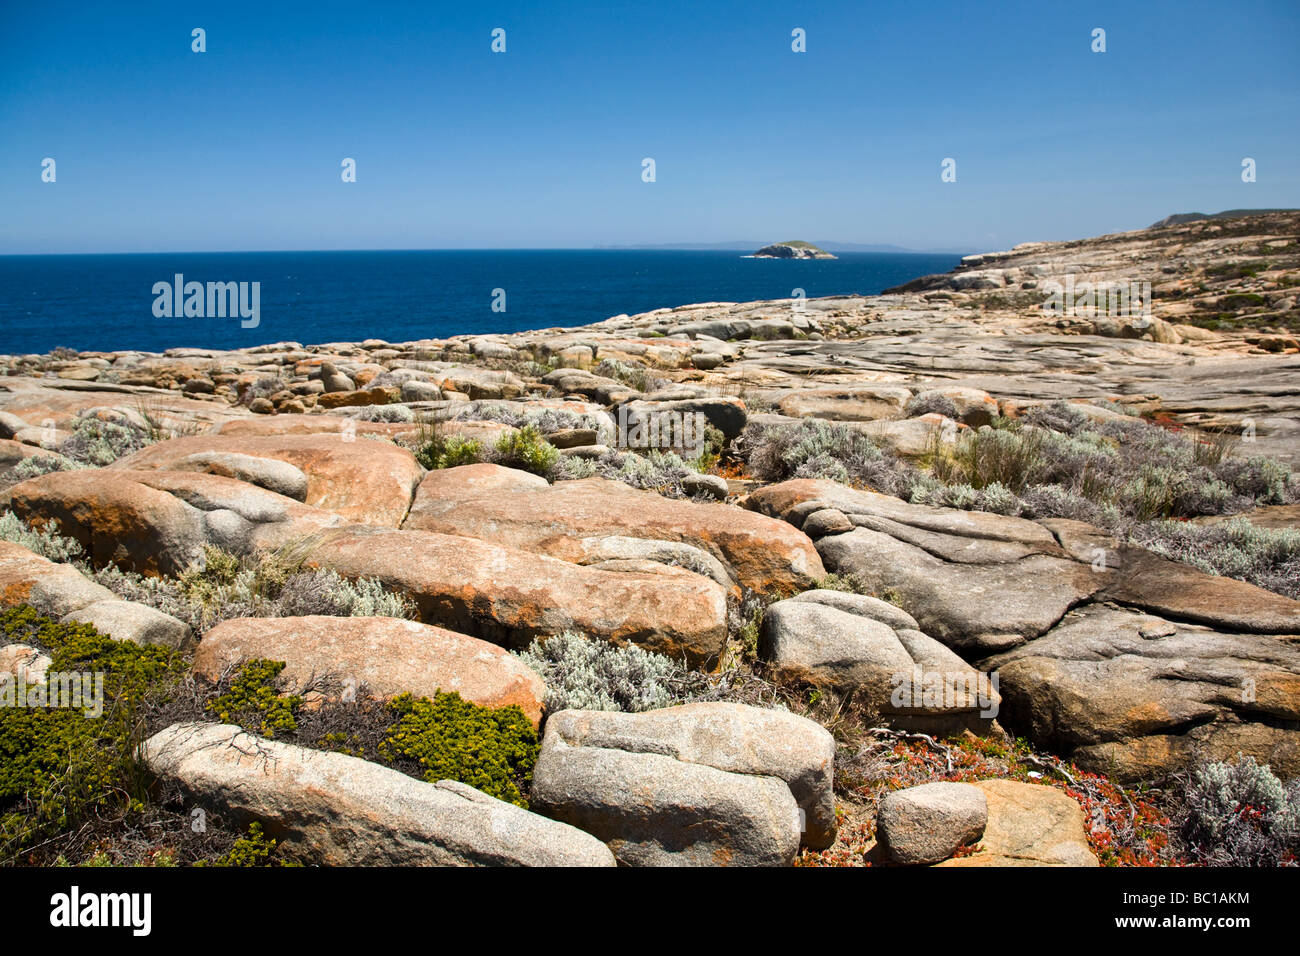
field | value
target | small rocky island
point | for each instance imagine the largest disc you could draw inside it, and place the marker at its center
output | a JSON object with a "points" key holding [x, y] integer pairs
{"points": [[796, 249]]}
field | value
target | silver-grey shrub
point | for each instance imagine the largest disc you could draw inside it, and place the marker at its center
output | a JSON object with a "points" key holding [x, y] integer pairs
{"points": [[1266, 557], [47, 542], [396, 413], [582, 674], [96, 442], [1240, 814]]}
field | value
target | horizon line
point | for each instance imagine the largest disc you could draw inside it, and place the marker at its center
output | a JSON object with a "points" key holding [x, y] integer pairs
{"points": [[657, 247]]}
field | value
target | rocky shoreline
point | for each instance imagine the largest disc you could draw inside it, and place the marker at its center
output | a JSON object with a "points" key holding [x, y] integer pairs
{"points": [[873, 503]]}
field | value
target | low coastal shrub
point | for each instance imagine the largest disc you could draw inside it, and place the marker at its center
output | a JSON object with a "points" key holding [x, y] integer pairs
{"points": [[395, 413], [1266, 557], [39, 464], [96, 442], [1134, 479], [61, 767], [633, 376], [490, 749], [582, 674], [435, 449], [525, 448], [545, 420], [252, 700], [1239, 814], [813, 448], [264, 387], [662, 472], [931, 403], [271, 583], [47, 542], [255, 849]]}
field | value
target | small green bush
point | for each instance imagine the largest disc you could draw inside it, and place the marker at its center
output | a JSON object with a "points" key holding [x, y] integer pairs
{"points": [[58, 766], [253, 700], [252, 850], [490, 749], [435, 450], [525, 448]]}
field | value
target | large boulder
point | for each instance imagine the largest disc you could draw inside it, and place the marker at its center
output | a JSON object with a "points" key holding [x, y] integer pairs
{"points": [[512, 597], [1133, 694], [128, 621], [853, 643], [727, 415], [378, 657], [852, 403], [1029, 825], [63, 592], [1136, 696], [573, 519], [339, 810], [735, 738], [370, 482], [1137, 577], [983, 583], [51, 588], [926, 824], [695, 785], [157, 522]]}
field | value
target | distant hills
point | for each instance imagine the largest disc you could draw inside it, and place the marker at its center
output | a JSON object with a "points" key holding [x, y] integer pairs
{"points": [[743, 246], [1179, 218]]}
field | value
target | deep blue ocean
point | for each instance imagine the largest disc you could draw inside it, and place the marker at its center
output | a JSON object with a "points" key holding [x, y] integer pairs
{"points": [[106, 302]]}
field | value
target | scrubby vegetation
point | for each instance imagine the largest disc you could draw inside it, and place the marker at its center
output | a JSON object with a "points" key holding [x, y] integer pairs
{"points": [[545, 420], [266, 584], [490, 749], [523, 448], [253, 702], [526, 449], [47, 542], [663, 472], [633, 376], [96, 442], [434, 449], [1267, 557], [931, 402], [221, 586], [63, 768], [72, 787], [396, 413], [1132, 478]]}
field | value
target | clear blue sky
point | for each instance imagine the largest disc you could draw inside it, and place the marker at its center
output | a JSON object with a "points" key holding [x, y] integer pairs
{"points": [[162, 149]]}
